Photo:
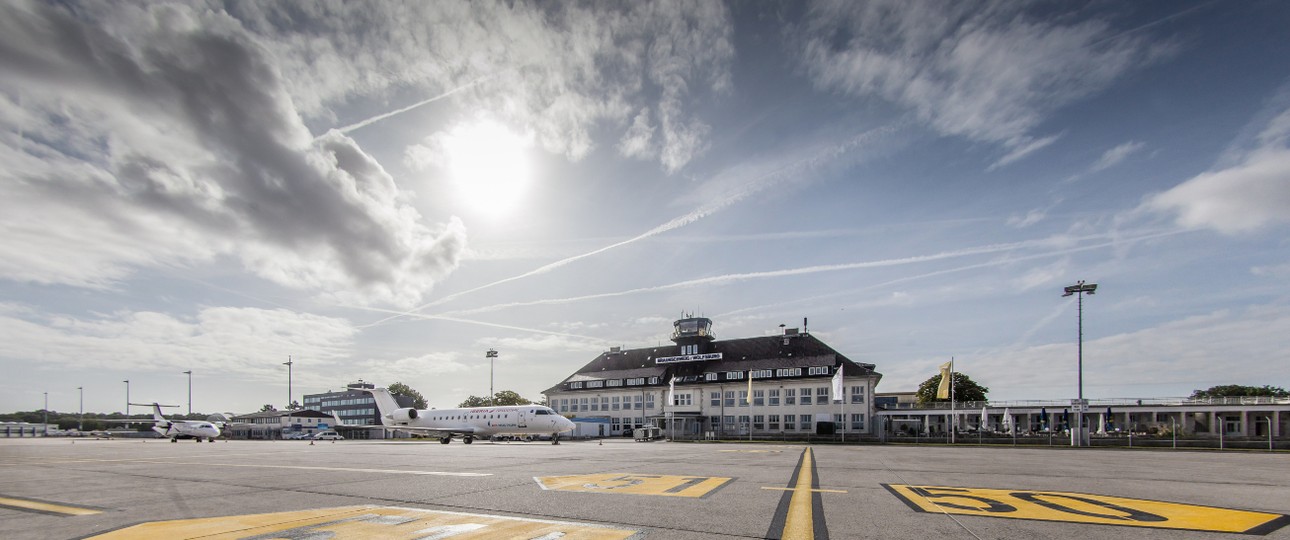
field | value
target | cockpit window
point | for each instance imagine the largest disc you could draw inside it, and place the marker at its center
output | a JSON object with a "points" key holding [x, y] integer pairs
{"points": [[543, 411]]}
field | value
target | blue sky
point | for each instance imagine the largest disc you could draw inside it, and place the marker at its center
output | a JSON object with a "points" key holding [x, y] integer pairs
{"points": [[385, 191]]}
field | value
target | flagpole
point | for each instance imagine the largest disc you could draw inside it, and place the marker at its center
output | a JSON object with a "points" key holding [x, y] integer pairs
{"points": [[951, 400]]}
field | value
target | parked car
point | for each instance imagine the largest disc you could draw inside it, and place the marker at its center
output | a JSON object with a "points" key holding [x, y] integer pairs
{"points": [[328, 436], [298, 435]]}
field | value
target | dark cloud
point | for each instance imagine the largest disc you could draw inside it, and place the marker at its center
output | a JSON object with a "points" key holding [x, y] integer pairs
{"points": [[234, 162]]}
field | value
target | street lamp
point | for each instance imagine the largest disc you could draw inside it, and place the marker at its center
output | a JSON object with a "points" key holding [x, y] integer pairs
{"points": [[492, 357], [1079, 289], [189, 373], [46, 413], [127, 398], [80, 419], [288, 364]]}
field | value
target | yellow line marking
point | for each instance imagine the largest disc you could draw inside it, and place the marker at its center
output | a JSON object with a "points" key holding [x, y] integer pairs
{"points": [[1084, 508], [634, 484], [369, 522], [24, 504], [810, 490], [800, 524]]}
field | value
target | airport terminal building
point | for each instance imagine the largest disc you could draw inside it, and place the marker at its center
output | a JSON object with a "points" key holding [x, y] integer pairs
{"points": [[769, 387]]}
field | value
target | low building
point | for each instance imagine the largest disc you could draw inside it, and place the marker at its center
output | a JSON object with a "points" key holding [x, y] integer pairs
{"points": [[279, 424], [355, 408], [778, 386]]}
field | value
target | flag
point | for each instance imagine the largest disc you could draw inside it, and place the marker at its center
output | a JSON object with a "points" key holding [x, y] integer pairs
{"points": [[748, 398], [985, 419], [837, 385], [671, 390], [1007, 420], [943, 391]]}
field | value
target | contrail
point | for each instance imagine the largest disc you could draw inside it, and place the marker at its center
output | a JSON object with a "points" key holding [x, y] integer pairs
{"points": [[380, 117], [1110, 243], [731, 278], [597, 341], [758, 184]]}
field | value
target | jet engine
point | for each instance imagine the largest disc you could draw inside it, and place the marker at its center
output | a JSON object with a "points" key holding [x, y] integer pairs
{"points": [[404, 415]]}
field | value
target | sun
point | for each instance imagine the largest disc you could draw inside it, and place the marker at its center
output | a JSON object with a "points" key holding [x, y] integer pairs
{"points": [[489, 165]]}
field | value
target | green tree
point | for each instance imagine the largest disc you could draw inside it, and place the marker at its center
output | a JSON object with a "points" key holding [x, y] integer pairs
{"points": [[1236, 390], [965, 389], [294, 406], [504, 397], [268, 407], [400, 389]]}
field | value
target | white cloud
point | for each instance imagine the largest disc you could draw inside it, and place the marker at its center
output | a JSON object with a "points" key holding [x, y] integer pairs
{"points": [[163, 134], [1116, 155], [987, 71], [1245, 197], [220, 339], [560, 69], [1032, 217], [637, 141]]}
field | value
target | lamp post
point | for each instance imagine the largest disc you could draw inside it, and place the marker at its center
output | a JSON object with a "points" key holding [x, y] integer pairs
{"points": [[80, 419], [189, 373], [46, 414], [127, 398], [288, 363], [1079, 289], [491, 355]]}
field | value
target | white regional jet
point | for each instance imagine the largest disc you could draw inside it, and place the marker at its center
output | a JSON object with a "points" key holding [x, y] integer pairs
{"points": [[180, 429], [470, 423]]}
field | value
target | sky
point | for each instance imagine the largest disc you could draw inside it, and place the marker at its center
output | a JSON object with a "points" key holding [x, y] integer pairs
{"points": [[385, 191]]}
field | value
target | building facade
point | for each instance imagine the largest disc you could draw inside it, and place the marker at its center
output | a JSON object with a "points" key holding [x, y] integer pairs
{"points": [[771, 386], [278, 424]]}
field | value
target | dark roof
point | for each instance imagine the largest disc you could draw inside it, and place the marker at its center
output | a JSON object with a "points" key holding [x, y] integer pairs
{"points": [[766, 352], [300, 413]]}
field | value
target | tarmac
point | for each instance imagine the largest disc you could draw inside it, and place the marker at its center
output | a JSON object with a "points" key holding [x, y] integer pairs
{"points": [[131, 488]]}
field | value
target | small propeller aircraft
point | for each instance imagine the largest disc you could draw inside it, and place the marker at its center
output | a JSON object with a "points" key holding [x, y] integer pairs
{"points": [[178, 429]]}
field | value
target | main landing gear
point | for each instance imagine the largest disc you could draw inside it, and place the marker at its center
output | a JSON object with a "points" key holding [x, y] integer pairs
{"points": [[467, 439], [555, 438]]}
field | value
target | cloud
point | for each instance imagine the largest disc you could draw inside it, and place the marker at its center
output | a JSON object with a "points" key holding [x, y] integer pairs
{"points": [[986, 71], [563, 70], [1115, 155], [166, 135], [1249, 195], [226, 340], [1032, 217]]}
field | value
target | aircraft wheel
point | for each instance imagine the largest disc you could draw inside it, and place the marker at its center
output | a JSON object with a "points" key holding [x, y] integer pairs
{"points": [[174, 440], [467, 440], [445, 440], [555, 438]]}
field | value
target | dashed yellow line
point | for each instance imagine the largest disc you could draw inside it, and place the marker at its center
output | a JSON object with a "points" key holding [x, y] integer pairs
{"points": [[45, 507]]}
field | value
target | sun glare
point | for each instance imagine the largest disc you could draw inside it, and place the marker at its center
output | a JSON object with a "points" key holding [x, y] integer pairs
{"points": [[489, 165]]}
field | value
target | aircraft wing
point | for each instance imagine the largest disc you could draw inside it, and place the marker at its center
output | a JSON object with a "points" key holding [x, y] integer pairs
{"points": [[419, 430]]}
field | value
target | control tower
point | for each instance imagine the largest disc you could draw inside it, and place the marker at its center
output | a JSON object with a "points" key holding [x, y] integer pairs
{"points": [[693, 334]]}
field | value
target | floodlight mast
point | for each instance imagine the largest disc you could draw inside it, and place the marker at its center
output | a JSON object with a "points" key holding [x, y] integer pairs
{"points": [[1080, 289]]}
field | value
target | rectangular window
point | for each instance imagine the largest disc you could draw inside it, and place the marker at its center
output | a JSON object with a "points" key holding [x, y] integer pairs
{"points": [[711, 376], [790, 422], [773, 398], [730, 421], [857, 394], [615, 382], [774, 423], [759, 399], [683, 400], [822, 395], [649, 401], [743, 398], [837, 423], [857, 421], [595, 404], [743, 421], [806, 422], [759, 422], [637, 405], [790, 396], [806, 396], [604, 403], [583, 404], [714, 399], [615, 406], [730, 398]]}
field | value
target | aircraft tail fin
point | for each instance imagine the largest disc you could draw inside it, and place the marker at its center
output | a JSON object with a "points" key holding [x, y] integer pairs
{"points": [[385, 403], [156, 411]]}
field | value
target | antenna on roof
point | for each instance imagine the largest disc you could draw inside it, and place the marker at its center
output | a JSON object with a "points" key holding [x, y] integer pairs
{"points": [[804, 325]]}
